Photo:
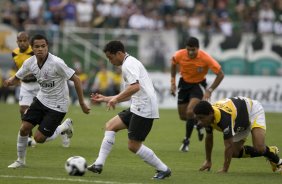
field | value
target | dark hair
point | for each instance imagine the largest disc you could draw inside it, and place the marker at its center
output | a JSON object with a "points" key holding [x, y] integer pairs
{"points": [[38, 37], [192, 42], [114, 46], [203, 107]]}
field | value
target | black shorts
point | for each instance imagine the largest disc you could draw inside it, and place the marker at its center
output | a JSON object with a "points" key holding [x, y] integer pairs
{"points": [[186, 91], [138, 127], [47, 119]]}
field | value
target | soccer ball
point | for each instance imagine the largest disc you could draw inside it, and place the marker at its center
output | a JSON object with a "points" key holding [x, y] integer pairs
{"points": [[76, 166]]}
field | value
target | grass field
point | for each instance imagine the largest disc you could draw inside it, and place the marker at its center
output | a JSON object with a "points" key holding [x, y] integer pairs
{"points": [[46, 162]]}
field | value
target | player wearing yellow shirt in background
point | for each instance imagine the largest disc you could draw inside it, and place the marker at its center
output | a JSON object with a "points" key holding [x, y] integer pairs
{"points": [[29, 86]]}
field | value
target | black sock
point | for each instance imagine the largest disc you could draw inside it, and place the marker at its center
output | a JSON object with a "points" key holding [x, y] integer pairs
{"points": [[249, 151], [189, 127]]}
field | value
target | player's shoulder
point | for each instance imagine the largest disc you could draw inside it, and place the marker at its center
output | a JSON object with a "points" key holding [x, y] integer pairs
{"points": [[16, 51], [181, 52], [55, 59]]}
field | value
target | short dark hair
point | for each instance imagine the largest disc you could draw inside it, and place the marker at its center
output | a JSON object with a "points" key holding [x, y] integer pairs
{"points": [[38, 37], [114, 46], [192, 42], [203, 107]]}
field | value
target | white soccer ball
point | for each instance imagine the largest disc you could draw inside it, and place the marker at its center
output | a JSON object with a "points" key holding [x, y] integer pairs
{"points": [[76, 166]]}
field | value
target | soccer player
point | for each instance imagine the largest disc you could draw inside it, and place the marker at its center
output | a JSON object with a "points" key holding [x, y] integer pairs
{"points": [[51, 103], [29, 86], [236, 118], [194, 65], [138, 119]]}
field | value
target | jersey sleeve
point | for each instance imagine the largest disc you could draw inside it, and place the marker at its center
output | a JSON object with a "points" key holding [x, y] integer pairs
{"points": [[131, 73], [225, 125], [64, 70], [212, 63], [24, 70]]}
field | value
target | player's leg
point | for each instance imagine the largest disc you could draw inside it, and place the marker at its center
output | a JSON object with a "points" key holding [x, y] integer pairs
{"points": [[270, 152], [26, 127], [138, 130], [182, 108], [112, 126], [50, 127]]}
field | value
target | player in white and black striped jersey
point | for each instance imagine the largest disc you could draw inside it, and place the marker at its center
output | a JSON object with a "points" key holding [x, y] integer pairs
{"points": [[51, 103]]}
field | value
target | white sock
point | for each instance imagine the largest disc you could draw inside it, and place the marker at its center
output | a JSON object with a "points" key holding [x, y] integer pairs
{"points": [[106, 147], [58, 131], [151, 158], [21, 147]]}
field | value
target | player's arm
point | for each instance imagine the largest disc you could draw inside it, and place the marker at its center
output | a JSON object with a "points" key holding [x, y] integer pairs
{"points": [[79, 91], [208, 148], [228, 152], [124, 95], [216, 82], [11, 81], [173, 71]]}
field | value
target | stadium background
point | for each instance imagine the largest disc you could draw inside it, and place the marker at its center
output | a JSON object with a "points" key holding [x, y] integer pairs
{"points": [[245, 36]]}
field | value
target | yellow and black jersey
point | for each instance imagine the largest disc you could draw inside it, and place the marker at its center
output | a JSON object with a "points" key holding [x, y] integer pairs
{"points": [[20, 57], [231, 115]]}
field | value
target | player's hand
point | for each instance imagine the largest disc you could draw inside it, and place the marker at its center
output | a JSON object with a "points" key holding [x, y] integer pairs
{"points": [[207, 95], [206, 166], [85, 108], [173, 89], [97, 97], [7, 83], [112, 104]]}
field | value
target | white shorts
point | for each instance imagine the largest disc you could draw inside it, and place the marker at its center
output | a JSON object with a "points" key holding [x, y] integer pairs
{"points": [[27, 92], [257, 119]]}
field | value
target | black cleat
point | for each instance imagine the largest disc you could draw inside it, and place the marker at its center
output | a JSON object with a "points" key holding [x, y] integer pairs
{"points": [[184, 147], [95, 168], [162, 174]]}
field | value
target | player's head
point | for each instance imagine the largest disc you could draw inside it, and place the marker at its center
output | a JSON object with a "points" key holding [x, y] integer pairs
{"points": [[23, 41], [115, 52], [204, 113], [39, 44], [192, 46]]}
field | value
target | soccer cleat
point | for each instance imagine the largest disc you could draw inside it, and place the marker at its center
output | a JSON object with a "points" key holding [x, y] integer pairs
{"points": [[96, 168], [31, 142], [69, 130], [200, 133], [184, 147], [65, 140], [162, 174], [17, 164], [274, 166]]}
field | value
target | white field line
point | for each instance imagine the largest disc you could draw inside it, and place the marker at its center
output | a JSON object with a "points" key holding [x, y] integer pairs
{"points": [[63, 179]]}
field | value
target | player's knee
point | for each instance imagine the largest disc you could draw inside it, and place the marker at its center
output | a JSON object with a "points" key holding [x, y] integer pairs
{"points": [[133, 146], [24, 131], [39, 139]]}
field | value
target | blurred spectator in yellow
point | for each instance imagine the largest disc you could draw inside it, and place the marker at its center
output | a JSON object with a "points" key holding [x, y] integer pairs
{"points": [[116, 80], [103, 82]]}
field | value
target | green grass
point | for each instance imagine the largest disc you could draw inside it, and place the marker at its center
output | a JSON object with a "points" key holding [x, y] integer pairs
{"points": [[46, 161]]}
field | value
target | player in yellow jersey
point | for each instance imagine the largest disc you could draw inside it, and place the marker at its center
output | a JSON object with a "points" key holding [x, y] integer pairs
{"points": [[236, 118], [29, 86]]}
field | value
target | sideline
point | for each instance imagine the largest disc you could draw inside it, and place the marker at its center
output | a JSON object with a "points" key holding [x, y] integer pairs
{"points": [[62, 179]]}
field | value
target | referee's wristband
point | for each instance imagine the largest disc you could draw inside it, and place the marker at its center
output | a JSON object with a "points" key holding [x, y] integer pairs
{"points": [[210, 90]]}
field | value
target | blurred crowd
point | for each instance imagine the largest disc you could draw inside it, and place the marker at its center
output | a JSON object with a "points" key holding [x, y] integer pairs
{"points": [[193, 16]]}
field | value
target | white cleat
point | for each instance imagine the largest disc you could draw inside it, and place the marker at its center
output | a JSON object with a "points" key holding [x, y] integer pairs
{"points": [[69, 131], [65, 140], [17, 164]]}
